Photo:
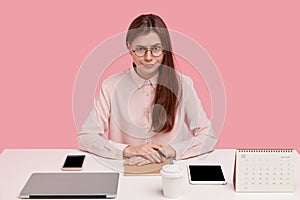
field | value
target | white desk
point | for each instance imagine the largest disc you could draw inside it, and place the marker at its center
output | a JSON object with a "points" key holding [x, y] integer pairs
{"points": [[16, 165]]}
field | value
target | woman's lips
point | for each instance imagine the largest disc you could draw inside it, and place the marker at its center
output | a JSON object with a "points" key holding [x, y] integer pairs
{"points": [[148, 65]]}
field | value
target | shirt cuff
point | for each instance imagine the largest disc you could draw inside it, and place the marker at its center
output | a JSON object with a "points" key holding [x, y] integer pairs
{"points": [[120, 148]]}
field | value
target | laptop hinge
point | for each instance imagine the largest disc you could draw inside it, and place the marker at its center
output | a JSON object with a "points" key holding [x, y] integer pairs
{"points": [[67, 196]]}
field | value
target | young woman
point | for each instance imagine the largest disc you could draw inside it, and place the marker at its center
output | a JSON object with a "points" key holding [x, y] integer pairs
{"points": [[149, 112]]}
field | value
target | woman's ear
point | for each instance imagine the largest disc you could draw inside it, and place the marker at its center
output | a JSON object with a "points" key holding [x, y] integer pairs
{"points": [[129, 48]]}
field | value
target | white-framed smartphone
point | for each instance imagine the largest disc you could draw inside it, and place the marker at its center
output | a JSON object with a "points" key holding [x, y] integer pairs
{"points": [[73, 163], [206, 174]]}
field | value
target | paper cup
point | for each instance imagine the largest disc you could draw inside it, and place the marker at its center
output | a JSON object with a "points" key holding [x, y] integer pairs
{"points": [[172, 181]]}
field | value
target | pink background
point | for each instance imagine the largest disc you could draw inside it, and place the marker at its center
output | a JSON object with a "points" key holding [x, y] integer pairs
{"points": [[255, 45]]}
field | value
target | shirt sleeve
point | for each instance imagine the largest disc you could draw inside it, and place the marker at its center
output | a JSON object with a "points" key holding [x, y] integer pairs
{"points": [[203, 139], [91, 137]]}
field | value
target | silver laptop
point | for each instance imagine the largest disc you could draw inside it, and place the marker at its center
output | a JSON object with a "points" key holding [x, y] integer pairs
{"points": [[71, 185]]}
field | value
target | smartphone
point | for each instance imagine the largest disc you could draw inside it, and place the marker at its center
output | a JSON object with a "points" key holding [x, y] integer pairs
{"points": [[206, 174], [73, 163]]}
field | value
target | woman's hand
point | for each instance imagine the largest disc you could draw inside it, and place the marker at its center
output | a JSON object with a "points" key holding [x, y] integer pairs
{"points": [[146, 150], [137, 160], [147, 153], [169, 151]]}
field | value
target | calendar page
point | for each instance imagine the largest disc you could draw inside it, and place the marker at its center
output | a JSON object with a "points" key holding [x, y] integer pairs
{"points": [[264, 170]]}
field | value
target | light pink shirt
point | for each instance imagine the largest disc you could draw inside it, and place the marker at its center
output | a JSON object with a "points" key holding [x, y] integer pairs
{"points": [[122, 116]]}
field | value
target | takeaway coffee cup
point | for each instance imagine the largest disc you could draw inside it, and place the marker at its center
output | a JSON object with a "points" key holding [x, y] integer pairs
{"points": [[172, 180]]}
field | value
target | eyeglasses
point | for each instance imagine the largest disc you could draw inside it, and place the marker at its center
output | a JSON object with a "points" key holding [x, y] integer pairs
{"points": [[140, 51]]}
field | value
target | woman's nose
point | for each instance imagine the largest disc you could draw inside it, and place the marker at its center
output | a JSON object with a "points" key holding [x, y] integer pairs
{"points": [[148, 55]]}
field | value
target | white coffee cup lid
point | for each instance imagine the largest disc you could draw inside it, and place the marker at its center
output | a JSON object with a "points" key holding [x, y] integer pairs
{"points": [[171, 171]]}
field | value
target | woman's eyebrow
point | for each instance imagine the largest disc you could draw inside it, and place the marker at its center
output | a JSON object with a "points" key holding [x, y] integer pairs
{"points": [[156, 44]]}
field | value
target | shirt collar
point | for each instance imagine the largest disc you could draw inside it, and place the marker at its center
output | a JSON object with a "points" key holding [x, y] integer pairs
{"points": [[140, 82]]}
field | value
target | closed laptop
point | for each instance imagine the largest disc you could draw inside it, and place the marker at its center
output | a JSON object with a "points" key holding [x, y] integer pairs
{"points": [[71, 185]]}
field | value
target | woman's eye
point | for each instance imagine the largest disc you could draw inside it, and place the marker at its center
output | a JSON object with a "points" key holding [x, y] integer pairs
{"points": [[140, 49], [156, 48]]}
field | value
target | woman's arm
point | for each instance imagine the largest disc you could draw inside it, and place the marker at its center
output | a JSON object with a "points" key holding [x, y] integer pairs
{"points": [[96, 143], [91, 138], [203, 139], [201, 142]]}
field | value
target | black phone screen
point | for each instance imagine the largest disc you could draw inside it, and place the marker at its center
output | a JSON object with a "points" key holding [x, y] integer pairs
{"points": [[206, 173], [74, 161]]}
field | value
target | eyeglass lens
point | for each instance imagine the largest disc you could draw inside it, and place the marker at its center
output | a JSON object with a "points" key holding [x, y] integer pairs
{"points": [[141, 51]]}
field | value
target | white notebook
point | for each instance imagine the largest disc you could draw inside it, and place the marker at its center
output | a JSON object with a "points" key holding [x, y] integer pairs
{"points": [[264, 170]]}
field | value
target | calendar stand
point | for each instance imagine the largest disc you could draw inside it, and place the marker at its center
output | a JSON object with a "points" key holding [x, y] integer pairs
{"points": [[264, 170]]}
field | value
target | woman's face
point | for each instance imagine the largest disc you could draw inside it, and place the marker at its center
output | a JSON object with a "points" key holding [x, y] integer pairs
{"points": [[147, 65]]}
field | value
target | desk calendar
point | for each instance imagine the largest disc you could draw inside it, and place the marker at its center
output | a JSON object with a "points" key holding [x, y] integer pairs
{"points": [[264, 170]]}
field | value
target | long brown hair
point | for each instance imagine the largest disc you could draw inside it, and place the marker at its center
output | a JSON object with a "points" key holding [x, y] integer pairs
{"points": [[167, 91]]}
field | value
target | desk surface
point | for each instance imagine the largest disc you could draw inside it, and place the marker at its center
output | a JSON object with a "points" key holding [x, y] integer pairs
{"points": [[16, 165]]}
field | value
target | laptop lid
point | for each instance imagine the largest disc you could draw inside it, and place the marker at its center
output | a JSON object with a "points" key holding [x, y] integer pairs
{"points": [[71, 185]]}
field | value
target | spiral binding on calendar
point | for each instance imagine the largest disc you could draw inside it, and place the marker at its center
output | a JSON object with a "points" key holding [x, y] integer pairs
{"points": [[265, 150]]}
